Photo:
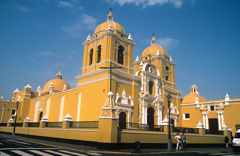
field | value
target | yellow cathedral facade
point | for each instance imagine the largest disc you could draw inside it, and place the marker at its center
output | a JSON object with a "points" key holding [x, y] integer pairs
{"points": [[134, 91]]}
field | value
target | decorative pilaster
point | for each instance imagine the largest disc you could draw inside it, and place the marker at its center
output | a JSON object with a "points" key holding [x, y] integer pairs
{"points": [[10, 121], [67, 121], [206, 121], [219, 120], [26, 121], [108, 121], [222, 119], [43, 122], [159, 114]]}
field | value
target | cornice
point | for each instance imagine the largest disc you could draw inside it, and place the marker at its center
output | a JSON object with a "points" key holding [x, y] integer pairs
{"points": [[213, 102], [107, 78], [112, 34], [101, 71], [172, 90], [156, 57]]}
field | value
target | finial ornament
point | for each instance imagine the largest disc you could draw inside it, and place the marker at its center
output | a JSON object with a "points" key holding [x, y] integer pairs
{"points": [[89, 37], [130, 37], [137, 59], [110, 27], [38, 89], [59, 75], [110, 16], [16, 90], [153, 41], [28, 87]]}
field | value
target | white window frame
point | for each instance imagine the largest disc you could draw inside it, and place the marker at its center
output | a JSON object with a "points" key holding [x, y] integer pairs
{"points": [[213, 109], [184, 116], [14, 113]]}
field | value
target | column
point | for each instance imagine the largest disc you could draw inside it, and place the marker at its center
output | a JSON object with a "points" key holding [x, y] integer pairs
{"points": [[159, 115], [222, 118], [129, 118], [206, 121], [143, 114], [61, 109], [79, 106], [204, 125], [48, 107], [219, 121]]}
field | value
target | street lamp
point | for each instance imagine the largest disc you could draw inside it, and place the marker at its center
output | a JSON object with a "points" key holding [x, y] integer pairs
{"points": [[169, 128], [14, 126]]}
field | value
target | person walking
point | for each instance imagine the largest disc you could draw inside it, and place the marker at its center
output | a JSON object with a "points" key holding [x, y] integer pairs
{"points": [[178, 140], [184, 141], [226, 140]]}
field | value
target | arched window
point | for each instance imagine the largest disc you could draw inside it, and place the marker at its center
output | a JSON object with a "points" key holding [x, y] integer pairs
{"points": [[99, 53], [167, 73], [150, 89], [90, 56], [120, 54]]}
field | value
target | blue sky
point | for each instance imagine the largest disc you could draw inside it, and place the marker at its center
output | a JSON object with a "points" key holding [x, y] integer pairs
{"points": [[38, 38]]}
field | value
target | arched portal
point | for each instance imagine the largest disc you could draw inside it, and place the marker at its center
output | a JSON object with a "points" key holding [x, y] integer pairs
{"points": [[122, 120], [150, 118], [40, 116]]}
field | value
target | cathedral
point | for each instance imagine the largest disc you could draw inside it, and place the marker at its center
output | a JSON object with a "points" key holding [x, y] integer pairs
{"points": [[137, 92]]}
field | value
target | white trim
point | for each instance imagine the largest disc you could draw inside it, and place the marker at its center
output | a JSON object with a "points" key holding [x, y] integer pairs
{"points": [[108, 117], [94, 80], [156, 58], [61, 108], [54, 93], [107, 78], [214, 102], [101, 71], [110, 33], [79, 106]]}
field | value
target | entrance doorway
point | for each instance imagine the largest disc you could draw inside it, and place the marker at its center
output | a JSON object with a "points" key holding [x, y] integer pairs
{"points": [[213, 126], [122, 120], [40, 116], [150, 118]]}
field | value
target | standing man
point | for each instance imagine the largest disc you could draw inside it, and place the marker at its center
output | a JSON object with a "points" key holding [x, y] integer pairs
{"points": [[226, 140], [184, 141]]}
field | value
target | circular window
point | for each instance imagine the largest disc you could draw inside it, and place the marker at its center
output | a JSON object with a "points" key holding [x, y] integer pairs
{"points": [[151, 70]]}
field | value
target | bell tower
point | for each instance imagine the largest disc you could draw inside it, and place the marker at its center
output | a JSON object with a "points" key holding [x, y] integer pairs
{"points": [[109, 44], [107, 70]]}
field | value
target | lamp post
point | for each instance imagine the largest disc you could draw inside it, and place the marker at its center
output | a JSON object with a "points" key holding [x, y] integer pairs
{"points": [[169, 128], [14, 126]]}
